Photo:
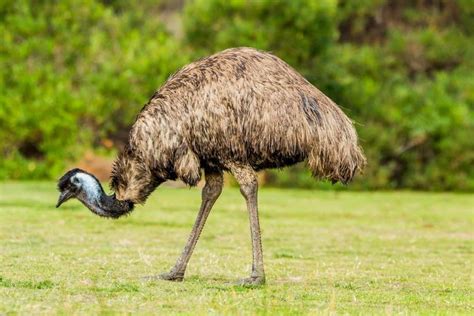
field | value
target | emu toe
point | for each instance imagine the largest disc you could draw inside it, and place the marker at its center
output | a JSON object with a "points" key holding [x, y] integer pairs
{"points": [[170, 276], [164, 276], [251, 281]]}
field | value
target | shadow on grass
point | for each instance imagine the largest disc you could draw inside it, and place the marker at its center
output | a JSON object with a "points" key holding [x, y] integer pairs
{"points": [[153, 223], [216, 283], [118, 287], [223, 284], [284, 254], [46, 284]]}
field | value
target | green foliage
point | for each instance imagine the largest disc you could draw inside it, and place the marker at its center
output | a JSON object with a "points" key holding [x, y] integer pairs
{"points": [[71, 74], [403, 72], [74, 73], [281, 26]]}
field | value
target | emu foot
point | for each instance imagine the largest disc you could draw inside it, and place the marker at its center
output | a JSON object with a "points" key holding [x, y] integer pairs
{"points": [[251, 281], [169, 276]]}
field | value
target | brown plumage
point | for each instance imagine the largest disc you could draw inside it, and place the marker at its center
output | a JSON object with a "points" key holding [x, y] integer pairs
{"points": [[240, 106], [240, 110]]}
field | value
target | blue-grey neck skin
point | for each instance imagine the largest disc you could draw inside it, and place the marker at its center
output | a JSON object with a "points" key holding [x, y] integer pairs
{"points": [[89, 191], [108, 206]]}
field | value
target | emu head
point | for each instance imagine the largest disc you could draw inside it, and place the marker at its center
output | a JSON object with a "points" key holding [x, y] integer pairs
{"points": [[77, 183]]}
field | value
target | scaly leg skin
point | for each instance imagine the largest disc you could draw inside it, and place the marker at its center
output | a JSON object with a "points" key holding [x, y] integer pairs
{"points": [[247, 179], [210, 193]]}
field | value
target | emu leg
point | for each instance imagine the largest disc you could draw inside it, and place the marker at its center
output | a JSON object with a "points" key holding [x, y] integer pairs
{"points": [[247, 179], [210, 193]]}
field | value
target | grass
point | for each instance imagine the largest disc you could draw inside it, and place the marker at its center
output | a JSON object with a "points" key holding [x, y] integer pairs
{"points": [[325, 252]]}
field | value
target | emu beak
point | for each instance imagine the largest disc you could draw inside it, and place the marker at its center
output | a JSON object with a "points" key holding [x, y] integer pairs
{"points": [[64, 196]]}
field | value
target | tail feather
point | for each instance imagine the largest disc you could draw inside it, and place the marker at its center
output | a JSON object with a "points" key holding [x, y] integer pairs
{"points": [[336, 154]]}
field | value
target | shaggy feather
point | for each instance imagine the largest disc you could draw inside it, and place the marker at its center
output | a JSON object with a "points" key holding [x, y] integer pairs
{"points": [[240, 106]]}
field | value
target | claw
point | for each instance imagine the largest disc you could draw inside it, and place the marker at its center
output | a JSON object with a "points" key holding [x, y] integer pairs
{"points": [[251, 281], [169, 276]]}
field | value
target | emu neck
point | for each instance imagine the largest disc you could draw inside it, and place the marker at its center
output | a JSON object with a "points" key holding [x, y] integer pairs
{"points": [[95, 199]]}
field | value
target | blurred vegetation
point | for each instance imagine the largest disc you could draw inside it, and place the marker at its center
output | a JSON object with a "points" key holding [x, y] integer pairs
{"points": [[75, 73]]}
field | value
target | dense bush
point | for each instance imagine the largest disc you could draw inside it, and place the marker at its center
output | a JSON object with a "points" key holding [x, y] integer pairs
{"points": [[74, 73], [401, 70], [296, 30]]}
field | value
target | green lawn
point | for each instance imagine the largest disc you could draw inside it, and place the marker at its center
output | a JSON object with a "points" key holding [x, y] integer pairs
{"points": [[325, 252]]}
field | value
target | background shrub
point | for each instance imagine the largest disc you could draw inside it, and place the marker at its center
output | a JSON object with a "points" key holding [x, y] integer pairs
{"points": [[402, 70], [73, 75]]}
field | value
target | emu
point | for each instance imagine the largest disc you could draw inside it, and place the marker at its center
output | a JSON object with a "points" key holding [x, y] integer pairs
{"points": [[239, 111]]}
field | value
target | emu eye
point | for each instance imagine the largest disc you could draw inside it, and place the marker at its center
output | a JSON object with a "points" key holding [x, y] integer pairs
{"points": [[75, 180]]}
